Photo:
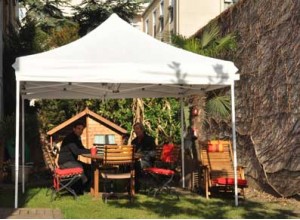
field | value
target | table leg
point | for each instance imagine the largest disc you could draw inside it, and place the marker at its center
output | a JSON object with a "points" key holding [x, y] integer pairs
{"points": [[94, 190], [96, 182]]}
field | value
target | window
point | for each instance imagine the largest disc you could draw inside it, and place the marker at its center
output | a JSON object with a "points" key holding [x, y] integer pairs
{"points": [[147, 26], [228, 3], [161, 16], [161, 8], [102, 139], [154, 23], [161, 23], [171, 11]]}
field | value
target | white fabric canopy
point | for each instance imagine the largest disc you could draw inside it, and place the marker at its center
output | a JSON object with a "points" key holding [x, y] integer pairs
{"points": [[116, 60]]}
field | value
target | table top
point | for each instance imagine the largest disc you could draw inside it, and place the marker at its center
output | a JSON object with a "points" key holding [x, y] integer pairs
{"points": [[101, 156], [96, 156]]}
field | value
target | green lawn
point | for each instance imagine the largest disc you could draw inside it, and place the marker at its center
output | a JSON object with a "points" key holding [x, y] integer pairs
{"points": [[147, 207]]}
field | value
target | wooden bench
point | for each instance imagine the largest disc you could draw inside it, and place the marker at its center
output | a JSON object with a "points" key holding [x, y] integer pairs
{"points": [[217, 168]]}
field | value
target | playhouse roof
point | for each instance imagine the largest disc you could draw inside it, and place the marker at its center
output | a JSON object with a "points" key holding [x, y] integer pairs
{"points": [[86, 112]]}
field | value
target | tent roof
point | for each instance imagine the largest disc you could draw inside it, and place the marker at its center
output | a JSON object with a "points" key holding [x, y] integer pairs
{"points": [[116, 60]]}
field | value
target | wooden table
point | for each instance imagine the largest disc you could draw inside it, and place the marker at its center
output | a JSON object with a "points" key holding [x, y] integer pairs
{"points": [[96, 161]]}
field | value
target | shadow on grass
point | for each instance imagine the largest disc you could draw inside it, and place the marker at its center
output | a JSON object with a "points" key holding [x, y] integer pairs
{"points": [[195, 206], [7, 199], [7, 194]]}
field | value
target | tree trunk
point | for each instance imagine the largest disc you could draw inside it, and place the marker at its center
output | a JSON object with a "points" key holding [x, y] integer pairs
{"points": [[138, 114], [2, 150]]}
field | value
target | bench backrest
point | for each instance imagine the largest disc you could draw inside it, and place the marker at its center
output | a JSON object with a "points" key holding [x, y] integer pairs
{"points": [[217, 156]]}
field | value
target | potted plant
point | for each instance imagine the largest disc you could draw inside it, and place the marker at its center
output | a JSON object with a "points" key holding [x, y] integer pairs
{"points": [[6, 132], [7, 141]]}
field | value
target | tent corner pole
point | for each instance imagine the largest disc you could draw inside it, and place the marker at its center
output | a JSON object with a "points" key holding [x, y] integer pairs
{"points": [[234, 143], [23, 146], [17, 141], [182, 143]]}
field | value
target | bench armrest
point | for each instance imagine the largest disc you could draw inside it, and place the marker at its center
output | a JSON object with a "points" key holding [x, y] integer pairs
{"points": [[241, 172]]}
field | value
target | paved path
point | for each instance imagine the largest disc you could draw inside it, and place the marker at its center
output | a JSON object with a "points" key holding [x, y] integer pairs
{"points": [[30, 213]]}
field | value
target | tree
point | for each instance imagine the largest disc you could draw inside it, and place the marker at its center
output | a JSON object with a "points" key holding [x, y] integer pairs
{"points": [[91, 13], [51, 27], [213, 106]]}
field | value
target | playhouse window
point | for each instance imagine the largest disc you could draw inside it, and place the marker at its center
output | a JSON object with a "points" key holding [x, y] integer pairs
{"points": [[102, 139]]}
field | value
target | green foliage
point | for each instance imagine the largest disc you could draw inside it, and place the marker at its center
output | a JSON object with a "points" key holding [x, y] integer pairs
{"points": [[34, 35], [7, 127], [62, 36], [53, 112], [46, 14], [212, 44], [91, 13], [218, 107], [119, 111], [162, 118], [45, 20]]}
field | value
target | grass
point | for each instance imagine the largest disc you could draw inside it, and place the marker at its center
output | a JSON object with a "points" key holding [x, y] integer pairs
{"points": [[147, 207]]}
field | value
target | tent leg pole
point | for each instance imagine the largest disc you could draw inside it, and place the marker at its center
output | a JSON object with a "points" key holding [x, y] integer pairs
{"points": [[23, 147], [17, 141], [234, 143], [182, 144]]}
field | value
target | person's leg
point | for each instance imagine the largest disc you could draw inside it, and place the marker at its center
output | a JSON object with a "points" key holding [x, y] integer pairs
{"points": [[138, 174], [87, 168]]}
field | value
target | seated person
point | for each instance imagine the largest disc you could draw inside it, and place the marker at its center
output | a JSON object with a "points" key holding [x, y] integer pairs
{"points": [[144, 145], [71, 148]]}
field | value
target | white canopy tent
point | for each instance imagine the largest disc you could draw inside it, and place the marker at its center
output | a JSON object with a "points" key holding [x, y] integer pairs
{"points": [[115, 60]]}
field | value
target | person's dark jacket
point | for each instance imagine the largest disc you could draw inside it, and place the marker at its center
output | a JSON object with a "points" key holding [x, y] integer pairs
{"points": [[71, 147], [146, 144], [146, 147]]}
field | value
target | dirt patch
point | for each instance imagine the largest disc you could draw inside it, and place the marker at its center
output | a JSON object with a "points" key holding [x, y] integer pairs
{"points": [[257, 195]]}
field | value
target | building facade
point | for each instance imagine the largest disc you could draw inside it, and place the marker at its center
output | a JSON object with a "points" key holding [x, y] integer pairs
{"points": [[163, 18]]}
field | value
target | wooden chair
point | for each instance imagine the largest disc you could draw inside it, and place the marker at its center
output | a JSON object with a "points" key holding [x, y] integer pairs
{"points": [[217, 168], [122, 157], [164, 170], [167, 156], [63, 179], [49, 155]]}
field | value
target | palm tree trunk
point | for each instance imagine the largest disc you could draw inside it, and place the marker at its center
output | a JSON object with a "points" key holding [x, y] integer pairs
{"points": [[197, 121]]}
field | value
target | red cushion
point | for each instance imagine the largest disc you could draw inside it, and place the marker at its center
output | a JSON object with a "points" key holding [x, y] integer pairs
{"points": [[215, 147], [166, 154], [160, 171], [68, 171], [229, 181]]}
